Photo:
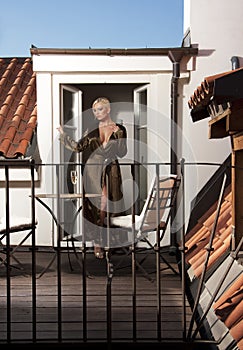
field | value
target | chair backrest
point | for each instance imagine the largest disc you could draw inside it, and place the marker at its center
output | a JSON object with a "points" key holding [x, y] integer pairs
{"points": [[159, 203]]}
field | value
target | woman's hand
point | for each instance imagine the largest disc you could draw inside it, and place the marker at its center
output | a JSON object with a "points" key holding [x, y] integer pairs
{"points": [[60, 129], [114, 128]]}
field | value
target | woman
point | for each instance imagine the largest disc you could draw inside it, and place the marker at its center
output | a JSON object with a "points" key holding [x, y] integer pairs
{"points": [[102, 175]]}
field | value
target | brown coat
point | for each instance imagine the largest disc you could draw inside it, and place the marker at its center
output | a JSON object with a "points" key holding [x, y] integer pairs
{"points": [[100, 164]]}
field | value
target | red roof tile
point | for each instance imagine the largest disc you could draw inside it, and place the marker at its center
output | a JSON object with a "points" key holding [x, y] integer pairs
{"points": [[223, 87], [229, 309], [197, 242], [204, 92], [229, 306], [220, 97], [237, 334], [18, 111]]}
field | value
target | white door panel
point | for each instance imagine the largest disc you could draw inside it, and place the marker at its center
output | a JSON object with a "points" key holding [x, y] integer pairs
{"points": [[71, 120], [140, 142]]}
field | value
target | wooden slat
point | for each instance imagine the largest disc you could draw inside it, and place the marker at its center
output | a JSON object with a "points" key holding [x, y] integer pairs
{"points": [[72, 303]]}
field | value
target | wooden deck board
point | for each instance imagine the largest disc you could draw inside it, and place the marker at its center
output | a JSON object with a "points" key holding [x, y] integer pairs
{"points": [[72, 301]]}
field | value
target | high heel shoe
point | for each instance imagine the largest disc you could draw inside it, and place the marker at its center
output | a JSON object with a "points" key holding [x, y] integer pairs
{"points": [[99, 252]]}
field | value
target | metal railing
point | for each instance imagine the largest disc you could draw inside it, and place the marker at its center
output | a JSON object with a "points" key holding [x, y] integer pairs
{"points": [[188, 335]]}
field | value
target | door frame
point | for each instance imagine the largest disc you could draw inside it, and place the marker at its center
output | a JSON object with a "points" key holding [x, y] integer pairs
{"points": [[140, 140], [73, 127]]}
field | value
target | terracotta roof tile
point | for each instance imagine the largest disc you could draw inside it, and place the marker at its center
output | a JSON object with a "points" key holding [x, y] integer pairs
{"points": [[229, 309], [222, 87], [225, 302], [219, 96], [236, 332], [18, 110], [197, 242], [229, 306], [204, 92]]}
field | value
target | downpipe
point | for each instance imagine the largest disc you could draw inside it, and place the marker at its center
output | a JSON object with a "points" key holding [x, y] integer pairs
{"points": [[173, 142]]}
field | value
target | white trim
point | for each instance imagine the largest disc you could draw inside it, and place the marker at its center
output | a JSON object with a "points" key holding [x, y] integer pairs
{"points": [[94, 63]]}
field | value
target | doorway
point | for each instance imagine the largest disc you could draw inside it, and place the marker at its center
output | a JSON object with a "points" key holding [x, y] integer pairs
{"points": [[129, 107]]}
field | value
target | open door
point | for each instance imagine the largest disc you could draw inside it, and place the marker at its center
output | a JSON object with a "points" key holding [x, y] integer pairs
{"points": [[71, 119], [140, 143]]}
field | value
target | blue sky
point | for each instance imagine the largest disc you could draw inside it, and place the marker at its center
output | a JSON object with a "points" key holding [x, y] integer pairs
{"points": [[89, 23]]}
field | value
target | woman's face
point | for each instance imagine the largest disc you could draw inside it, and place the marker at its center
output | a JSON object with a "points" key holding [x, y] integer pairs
{"points": [[101, 111]]}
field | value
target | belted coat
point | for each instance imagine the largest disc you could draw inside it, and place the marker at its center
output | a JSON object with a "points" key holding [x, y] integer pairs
{"points": [[101, 166]]}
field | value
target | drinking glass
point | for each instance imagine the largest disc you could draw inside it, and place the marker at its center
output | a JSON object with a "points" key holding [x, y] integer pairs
{"points": [[74, 177]]}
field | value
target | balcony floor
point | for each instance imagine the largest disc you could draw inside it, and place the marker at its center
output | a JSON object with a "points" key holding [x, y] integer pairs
{"points": [[61, 320]]}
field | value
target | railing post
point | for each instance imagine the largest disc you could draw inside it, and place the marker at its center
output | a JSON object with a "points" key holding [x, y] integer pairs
{"points": [[182, 249], [134, 280], [7, 207], [59, 281], [33, 247], [209, 249], [157, 253]]}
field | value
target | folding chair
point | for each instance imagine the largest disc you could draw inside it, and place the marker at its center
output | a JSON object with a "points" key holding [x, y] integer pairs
{"points": [[155, 216], [17, 225]]}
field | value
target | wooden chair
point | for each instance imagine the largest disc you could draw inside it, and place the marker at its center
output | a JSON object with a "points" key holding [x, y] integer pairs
{"points": [[155, 216]]}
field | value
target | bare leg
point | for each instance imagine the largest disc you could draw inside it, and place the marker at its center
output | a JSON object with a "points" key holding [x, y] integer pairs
{"points": [[103, 205], [98, 251]]}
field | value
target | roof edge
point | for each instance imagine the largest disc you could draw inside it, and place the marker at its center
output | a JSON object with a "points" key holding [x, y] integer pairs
{"points": [[185, 51]]}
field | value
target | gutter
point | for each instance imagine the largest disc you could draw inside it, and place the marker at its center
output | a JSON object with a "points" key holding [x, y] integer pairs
{"points": [[175, 58], [183, 51]]}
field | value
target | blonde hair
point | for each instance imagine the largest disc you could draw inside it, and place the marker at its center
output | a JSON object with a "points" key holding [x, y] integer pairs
{"points": [[103, 100]]}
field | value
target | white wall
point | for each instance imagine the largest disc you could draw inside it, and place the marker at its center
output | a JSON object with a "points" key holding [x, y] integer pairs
{"points": [[64, 69], [216, 29]]}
